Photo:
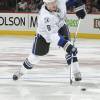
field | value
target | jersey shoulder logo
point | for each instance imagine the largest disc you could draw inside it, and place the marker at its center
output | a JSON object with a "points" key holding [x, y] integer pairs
{"points": [[46, 20]]}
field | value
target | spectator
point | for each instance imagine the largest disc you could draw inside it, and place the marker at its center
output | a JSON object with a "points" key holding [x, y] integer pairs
{"points": [[22, 6], [37, 4], [89, 6], [97, 4]]}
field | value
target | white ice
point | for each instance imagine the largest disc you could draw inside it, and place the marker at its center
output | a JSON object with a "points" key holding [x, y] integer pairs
{"points": [[49, 80]]}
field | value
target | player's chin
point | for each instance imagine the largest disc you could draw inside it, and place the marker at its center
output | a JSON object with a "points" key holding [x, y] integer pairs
{"points": [[54, 10]]}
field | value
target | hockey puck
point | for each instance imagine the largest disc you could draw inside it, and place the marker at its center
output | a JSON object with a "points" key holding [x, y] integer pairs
{"points": [[15, 77], [83, 89]]}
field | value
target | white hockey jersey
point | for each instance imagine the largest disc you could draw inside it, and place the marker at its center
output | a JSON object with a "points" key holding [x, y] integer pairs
{"points": [[50, 22]]}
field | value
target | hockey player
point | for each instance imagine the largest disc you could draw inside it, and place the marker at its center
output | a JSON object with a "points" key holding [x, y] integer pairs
{"points": [[51, 22]]}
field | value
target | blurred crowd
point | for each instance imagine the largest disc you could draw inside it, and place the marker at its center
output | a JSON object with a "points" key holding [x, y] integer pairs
{"points": [[92, 6]]}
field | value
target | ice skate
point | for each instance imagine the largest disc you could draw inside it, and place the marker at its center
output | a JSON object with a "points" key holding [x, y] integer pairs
{"points": [[78, 76], [17, 75]]}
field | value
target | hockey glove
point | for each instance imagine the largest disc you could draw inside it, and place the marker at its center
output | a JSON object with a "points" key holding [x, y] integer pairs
{"points": [[80, 12], [71, 50]]}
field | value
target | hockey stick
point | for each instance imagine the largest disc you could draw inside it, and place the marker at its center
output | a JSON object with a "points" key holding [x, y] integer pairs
{"points": [[74, 40], [75, 35]]}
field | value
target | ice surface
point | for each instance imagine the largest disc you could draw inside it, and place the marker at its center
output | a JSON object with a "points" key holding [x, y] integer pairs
{"points": [[49, 80]]}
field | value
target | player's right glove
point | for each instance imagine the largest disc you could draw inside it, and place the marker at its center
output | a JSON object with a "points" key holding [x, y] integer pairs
{"points": [[80, 11]]}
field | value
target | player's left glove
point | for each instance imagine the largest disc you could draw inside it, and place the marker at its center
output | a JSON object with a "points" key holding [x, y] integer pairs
{"points": [[71, 50], [80, 12], [67, 46]]}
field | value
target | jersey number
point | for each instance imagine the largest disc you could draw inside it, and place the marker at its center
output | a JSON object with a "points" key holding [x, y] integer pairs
{"points": [[48, 27]]}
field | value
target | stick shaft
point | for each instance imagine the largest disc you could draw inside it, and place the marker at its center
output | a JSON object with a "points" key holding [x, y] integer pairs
{"points": [[75, 36]]}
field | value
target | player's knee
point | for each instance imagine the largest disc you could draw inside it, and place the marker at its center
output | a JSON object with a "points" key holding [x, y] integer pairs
{"points": [[27, 64]]}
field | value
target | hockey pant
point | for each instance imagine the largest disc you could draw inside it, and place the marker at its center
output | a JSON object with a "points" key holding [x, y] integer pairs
{"points": [[40, 48]]}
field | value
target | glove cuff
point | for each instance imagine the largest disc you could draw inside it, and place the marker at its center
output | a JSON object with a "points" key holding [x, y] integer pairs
{"points": [[79, 8], [67, 45]]}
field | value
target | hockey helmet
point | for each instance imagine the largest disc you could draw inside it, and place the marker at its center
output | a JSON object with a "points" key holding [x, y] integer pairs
{"points": [[48, 1]]}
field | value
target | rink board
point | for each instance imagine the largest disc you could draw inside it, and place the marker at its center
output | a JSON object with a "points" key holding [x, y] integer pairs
{"points": [[32, 33], [24, 24]]}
